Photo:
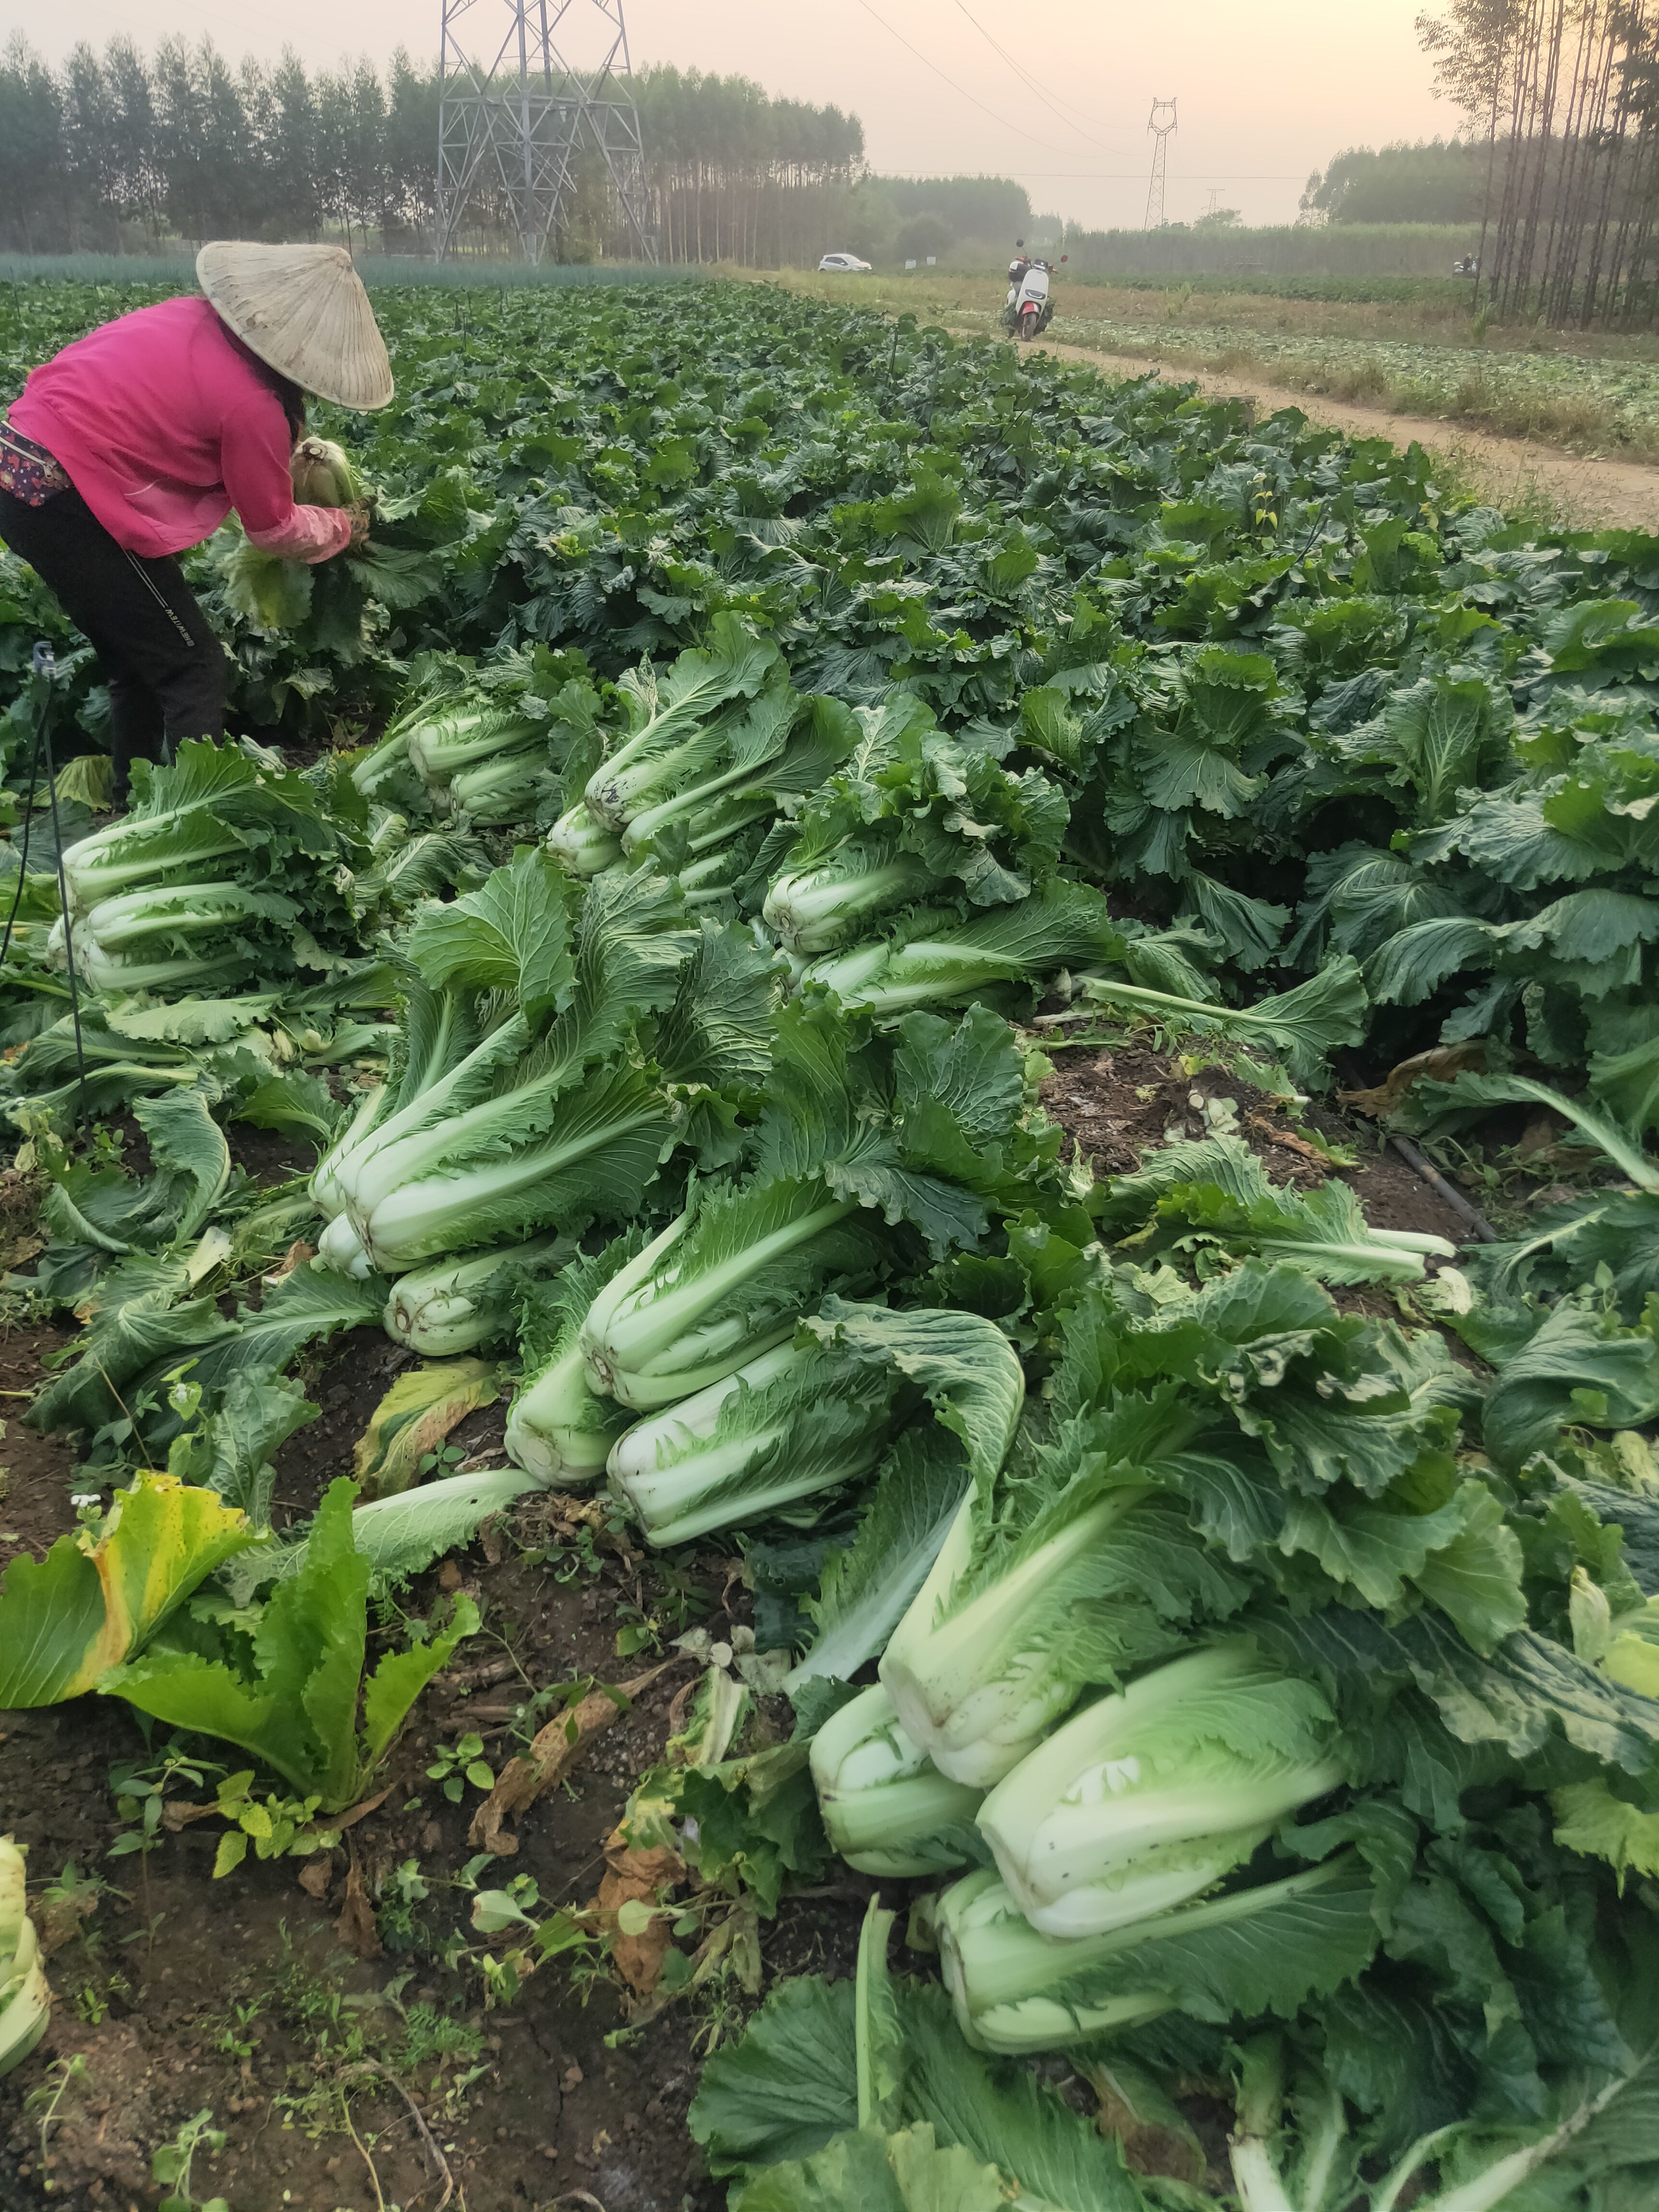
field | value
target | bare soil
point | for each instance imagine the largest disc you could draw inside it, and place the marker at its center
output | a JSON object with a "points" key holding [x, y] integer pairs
{"points": [[1119, 1104], [39, 1471]]}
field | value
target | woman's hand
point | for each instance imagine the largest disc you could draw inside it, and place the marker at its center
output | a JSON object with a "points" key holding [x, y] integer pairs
{"points": [[360, 515]]}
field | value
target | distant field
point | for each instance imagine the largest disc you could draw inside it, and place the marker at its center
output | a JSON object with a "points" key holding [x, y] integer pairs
{"points": [[1418, 355], [1592, 402], [1407, 342], [1338, 250], [179, 269], [1450, 293]]}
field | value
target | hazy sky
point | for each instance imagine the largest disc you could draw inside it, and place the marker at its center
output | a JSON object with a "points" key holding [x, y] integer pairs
{"points": [[1267, 91]]}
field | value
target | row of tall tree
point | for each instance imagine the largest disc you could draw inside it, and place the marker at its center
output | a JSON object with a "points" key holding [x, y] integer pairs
{"points": [[1435, 181], [733, 174], [1565, 95], [122, 150]]}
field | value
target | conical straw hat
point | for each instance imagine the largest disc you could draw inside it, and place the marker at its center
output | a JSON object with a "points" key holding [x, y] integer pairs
{"points": [[303, 310]]}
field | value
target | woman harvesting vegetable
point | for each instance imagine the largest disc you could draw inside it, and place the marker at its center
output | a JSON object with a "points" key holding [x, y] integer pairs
{"points": [[136, 443]]}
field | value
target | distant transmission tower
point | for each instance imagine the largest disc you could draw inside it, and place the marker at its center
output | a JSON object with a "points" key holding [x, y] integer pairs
{"points": [[1162, 125], [516, 124]]}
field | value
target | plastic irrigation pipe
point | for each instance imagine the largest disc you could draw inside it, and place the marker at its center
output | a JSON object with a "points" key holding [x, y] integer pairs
{"points": [[1420, 1165]]}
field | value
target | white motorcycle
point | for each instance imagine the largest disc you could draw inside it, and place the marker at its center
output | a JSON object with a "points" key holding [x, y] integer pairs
{"points": [[1028, 310]]}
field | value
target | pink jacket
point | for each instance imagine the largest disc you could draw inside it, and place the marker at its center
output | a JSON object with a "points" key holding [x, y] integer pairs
{"points": [[163, 421]]}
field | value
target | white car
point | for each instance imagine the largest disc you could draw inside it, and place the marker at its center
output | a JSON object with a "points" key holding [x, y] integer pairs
{"points": [[843, 264]]}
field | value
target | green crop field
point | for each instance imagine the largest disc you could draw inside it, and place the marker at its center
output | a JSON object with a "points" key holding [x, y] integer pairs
{"points": [[1511, 387], [1588, 400], [1410, 345], [704, 1270]]}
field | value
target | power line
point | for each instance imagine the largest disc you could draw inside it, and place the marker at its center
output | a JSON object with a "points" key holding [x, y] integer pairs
{"points": [[950, 81], [1029, 80], [1185, 176]]}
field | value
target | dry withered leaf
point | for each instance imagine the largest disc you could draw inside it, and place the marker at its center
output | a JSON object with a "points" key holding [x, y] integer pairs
{"points": [[553, 1751], [732, 1945], [1289, 1140], [1541, 1135], [296, 1256], [558, 1517], [316, 1874], [1155, 2143], [633, 1876], [178, 1813], [1441, 1062], [359, 1811], [356, 1926], [460, 1681], [58, 1919]]}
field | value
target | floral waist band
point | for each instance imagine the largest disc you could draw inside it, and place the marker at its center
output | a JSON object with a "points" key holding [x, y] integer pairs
{"points": [[28, 471]]}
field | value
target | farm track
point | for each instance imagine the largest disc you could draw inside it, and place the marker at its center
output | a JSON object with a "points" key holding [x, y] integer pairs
{"points": [[1509, 472]]}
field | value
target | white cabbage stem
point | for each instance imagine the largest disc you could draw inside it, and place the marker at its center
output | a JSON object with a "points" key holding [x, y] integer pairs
{"points": [[881, 1797]]}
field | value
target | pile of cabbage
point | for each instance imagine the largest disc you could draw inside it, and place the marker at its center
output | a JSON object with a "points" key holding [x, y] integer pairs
{"points": [[1276, 1723], [564, 1049], [229, 866]]}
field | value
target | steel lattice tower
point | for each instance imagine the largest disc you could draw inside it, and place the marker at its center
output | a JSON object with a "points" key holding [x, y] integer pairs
{"points": [[1162, 131], [517, 122]]}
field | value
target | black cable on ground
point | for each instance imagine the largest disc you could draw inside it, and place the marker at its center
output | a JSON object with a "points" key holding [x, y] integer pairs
{"points": [[1420, 1165], [23, 853], [46, 673]]}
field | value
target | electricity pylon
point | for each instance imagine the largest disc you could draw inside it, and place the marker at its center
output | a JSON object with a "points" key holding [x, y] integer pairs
{"points": [[1162, 129], [516, 123]]}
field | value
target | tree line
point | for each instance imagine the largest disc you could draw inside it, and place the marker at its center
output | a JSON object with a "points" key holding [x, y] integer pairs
{"points": [[733, 174], [1434, 181], [1556, 174], [121, 150], [1565, 96]]}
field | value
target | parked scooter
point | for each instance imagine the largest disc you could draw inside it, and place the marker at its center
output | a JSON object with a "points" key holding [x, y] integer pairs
{"points": [[1028, 310]]}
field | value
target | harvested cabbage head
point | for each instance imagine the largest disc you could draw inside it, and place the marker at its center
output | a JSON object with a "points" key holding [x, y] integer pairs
{"points": [[25, 1999], [886, 1808], [1000, 1973], [272, 592], [1265, 1948], [582, 843], [812, 908], [979, 1669], [340, 1250], [457, 1303], [325, 475], [560, 1429], [1143, 1800], [760, 1442], [722, 1284]]}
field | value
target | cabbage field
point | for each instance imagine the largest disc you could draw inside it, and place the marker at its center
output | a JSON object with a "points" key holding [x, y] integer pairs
{"points": [[1094, 1684]]}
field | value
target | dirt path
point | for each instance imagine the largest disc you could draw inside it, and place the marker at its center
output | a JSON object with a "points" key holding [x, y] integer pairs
{"points": [[1512, 472]]}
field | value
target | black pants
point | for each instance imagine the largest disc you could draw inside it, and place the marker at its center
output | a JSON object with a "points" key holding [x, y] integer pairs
{"points": [[165, 667]]}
